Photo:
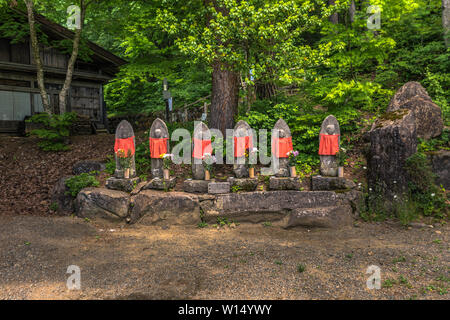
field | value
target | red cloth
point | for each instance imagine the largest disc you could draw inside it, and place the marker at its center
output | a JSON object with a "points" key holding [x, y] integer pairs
{"points": [[241, 144], [201, 147], [329, 144], [125, 144], [282, 146], [158, 146]]}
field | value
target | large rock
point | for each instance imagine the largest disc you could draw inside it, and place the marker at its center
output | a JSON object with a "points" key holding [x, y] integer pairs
{"points": [[427, 114], [88, 166], [392, 140], [440, 161], [263, 206], [102, 203], [61, 198], [410, 90], [319, 183], [155, 207], [327, 217]]}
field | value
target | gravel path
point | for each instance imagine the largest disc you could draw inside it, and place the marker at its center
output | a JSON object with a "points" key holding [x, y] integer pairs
{"points": [[246, 262]]}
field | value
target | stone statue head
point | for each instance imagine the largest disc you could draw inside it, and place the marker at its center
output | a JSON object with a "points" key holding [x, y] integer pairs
{"points": [[330, 129], [158, 133], [282, 133]]}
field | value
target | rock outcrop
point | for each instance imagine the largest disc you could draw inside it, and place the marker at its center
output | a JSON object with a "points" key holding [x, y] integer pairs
{"points": [[392, 140], [427, 114]]}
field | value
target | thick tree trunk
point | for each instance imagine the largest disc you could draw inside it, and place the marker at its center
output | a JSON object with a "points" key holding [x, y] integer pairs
{"points": [[334, 18], [446, 21], [71, 64], [225, 97], [37, 57]]}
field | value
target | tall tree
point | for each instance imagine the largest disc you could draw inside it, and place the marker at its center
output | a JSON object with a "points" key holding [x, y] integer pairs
{"points": [[36, 55], [76, 42], [73, 58], [235, 36]]}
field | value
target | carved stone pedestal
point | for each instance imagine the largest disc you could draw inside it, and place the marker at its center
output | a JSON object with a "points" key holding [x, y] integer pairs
{"points": [[161, 184], [196, 186], [126, 185], [284, 183], [244, 184]]}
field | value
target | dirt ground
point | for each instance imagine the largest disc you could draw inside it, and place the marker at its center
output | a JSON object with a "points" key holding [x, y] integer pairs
{"points": [[245, 262]]}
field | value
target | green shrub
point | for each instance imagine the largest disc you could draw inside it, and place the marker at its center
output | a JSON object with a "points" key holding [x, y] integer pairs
{"points": [[54, 131], [84, 180], [430, 199]]}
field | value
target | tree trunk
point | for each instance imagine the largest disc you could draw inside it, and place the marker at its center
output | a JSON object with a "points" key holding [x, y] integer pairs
{"points": [[37, 57], [71, 64], [446, 21], [334, 18], [352, 11], [224, 98], [265, 90]]}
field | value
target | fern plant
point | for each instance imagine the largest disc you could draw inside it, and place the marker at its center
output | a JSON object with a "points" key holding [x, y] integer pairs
{"points": [[54, 130]]}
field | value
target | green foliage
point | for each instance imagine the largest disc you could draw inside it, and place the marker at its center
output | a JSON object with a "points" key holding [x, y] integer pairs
{"points": [[54, 131], [304, 123], [84, 180], [429, 198]]}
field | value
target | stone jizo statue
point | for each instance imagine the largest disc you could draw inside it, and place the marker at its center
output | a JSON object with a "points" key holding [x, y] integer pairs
{"points": [[329, 142]]}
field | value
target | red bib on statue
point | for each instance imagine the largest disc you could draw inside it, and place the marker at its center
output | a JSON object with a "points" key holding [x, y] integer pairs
{"points": [[241, 144], [158, 146], [125, 145], [329, 144], [282, 147], [201, 147]]}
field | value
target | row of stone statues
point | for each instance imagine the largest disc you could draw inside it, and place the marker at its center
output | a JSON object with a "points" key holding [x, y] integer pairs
{"points": [[243, 143]]}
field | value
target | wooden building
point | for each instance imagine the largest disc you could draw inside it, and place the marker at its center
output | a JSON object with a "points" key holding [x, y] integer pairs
{"points": [[19, 93]]}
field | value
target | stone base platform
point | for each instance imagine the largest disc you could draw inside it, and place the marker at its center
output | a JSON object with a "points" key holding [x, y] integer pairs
{"points": [[286, 209], [161, 184], [120, 184], [284, 183], [196, 186], [244, 184], [320, 183]]}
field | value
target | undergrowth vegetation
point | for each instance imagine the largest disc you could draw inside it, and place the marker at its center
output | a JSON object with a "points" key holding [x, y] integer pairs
{"points": [[53, 130]]}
